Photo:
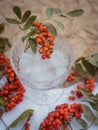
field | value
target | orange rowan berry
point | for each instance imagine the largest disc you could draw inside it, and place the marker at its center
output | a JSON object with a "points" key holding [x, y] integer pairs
{"points": [[78, 86], [41, 50], [50, 46], [38, 40], [72, 92], [48, 54], [71, 98], [45, 49]]}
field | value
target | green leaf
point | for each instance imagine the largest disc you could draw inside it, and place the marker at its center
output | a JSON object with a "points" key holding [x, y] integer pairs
{"points": [[17, 11], [59, 24], [29, 22], [93, 105], [85, 93], [58, 11], [88, 114], [49, 12], [2, 51], [33, 32], [79, 59], [2, 44], [96, 121], [75, 13], [97, 95], [26, 16], [13, 21], [6, 41], [82, 122], [96, 58], [1, 111], [51, 29], [92, 61], [24, 115], [94, 98], [2, 101], [33, 45], [90, 68], [80, 70], [1, 27]]}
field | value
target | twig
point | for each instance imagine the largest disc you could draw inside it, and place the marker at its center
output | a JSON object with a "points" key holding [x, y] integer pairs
{"points": [[75, 78], [70, 126], [7, 128]]}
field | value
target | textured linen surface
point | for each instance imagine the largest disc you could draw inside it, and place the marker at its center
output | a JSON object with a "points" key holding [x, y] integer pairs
{"points": [[40, 111]]}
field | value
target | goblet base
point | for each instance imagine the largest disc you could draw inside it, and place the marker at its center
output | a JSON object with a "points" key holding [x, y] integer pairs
{"points": [[44, 97]]}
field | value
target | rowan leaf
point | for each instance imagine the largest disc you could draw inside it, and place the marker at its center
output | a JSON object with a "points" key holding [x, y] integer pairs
{"points": [[26, 15], [31, 33], [51, 29], [94, 105], [1, 27], [49, 12], [82, 122], [17, 11], [88, 114], [80, 70], [13, 21], [33, 45], [6, 41], [58, 11], [89, 67], [1, 112], [96, 58], [85, 93], [24, 115], [96, 121], [75, 13], [79, 59], [29, 22], [92, 61], [2, 44], [61, 25], [2, 101]]}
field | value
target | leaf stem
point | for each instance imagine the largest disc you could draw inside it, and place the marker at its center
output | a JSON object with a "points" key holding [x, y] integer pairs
{"points": [[75, 78], [54, 17]]}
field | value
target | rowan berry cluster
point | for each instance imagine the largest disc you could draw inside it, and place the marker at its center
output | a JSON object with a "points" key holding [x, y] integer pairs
{"points": [[12, 92], [44, 39], [9, 72], [89, 85], [62, 115]]}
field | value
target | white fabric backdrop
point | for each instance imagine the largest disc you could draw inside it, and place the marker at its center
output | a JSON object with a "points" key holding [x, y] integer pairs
{"points": [[40, 111]]}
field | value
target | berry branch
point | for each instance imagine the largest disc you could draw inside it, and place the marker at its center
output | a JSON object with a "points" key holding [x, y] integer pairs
{"points": [[41, 35], [4, 124]]}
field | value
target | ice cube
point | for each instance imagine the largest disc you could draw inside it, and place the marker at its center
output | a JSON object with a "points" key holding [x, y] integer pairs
{"points": [[41, 70], [36, 56], [37, 71], [57, 58], [25, 60]]}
